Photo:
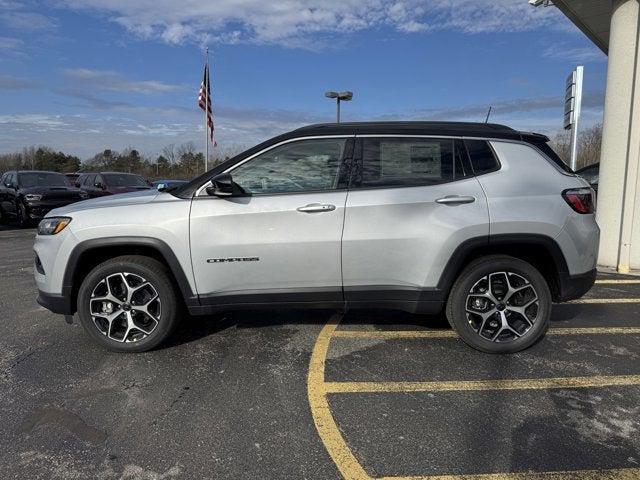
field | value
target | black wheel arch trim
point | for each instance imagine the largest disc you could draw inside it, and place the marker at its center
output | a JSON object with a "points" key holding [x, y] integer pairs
{"points": [[189, 296], [459, 257]]}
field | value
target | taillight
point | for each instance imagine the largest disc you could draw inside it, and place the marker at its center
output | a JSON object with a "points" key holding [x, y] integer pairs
{"points": [[580, 199]]}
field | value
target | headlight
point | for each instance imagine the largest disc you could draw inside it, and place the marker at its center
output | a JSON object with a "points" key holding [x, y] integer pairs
{"points": [[52, 225], [32, 197]]}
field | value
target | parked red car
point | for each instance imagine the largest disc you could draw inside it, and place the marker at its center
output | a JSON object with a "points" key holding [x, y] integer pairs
{"points": [[110, 183]]}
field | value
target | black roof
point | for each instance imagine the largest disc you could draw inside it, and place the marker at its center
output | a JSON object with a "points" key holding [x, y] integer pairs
{"points": [[458, 129]]}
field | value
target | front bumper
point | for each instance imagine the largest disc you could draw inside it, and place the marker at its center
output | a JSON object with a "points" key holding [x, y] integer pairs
{"points": [[38, 210], [55, 303], [575, 286]]}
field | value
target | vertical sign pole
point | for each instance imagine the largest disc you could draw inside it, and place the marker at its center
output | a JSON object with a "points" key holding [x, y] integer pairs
{"points": [[206, 114], [579, 75]]}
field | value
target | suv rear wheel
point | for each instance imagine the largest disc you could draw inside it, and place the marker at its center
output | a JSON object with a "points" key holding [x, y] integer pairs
{"points": [[128, 304], [500, 304]]}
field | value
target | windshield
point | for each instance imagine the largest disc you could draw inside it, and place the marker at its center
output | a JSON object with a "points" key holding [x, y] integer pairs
{"points": [[124, 180], [42, 179]]}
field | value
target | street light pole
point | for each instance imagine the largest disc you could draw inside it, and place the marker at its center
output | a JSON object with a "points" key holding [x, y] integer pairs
{"points": [[346, 96]]}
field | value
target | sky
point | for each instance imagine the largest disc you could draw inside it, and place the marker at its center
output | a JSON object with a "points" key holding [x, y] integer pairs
{"points": [[85, 75]]}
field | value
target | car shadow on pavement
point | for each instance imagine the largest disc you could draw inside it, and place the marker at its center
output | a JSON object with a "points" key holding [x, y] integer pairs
{"points": [[192, 328]]}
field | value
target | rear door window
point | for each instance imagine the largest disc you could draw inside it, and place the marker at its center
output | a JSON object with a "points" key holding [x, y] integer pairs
{"points": [[405, 162]]}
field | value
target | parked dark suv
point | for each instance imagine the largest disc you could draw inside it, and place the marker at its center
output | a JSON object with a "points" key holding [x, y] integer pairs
{"points": [[29, 195], [110, 183]]}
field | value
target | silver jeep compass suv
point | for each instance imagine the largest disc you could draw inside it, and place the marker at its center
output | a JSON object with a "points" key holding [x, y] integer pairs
{"points": [[479, 220]]}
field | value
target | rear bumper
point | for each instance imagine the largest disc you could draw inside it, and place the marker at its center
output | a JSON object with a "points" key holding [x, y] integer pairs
{"points": [[575, 286], [56, 303]]}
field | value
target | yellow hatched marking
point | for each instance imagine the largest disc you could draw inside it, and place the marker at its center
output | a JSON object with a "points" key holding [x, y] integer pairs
{"points": [[408, 334], [483, 385]]}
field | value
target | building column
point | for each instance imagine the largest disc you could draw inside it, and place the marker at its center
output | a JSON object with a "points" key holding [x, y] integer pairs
{"points": [[618, 212]]}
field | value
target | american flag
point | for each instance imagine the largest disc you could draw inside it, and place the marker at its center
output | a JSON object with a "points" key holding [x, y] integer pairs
{"points": [[204, 100]]}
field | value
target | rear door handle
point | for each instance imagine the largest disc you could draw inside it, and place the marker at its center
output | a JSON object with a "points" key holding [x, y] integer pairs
{"points": [[456, 200], [317, 207]]}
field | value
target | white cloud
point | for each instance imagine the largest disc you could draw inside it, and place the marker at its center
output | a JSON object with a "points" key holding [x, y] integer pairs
{"points": [[36, 120], [113, 81], [10, 44], [15, 15], [26, 21], [298, 22], [9, 82], [574, 54]]}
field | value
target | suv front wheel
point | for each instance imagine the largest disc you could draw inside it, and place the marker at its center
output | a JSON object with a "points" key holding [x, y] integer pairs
{"points": [[500, 304], [128, 304]]}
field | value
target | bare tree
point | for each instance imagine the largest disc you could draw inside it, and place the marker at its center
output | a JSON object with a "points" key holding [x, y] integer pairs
{"points": [[590, 145], [169, 152]]}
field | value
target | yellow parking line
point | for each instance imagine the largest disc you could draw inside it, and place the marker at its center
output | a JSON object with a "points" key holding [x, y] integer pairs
{"points": [[351, 469], [606, 300], [617, 474], [407, 334], [327, 428], [618, 282], [483, 385]]}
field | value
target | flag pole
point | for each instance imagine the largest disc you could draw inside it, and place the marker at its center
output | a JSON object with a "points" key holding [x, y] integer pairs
{"points": [[206, 113]]}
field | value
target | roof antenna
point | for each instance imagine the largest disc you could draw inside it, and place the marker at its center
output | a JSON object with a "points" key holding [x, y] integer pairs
{"points": [[486, 120]]}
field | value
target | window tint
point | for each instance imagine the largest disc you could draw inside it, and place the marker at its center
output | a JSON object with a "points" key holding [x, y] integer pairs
{"points": [[42, 179], [409, 161], [89, 180], [305, 165], [482, 158], [122, 180]]}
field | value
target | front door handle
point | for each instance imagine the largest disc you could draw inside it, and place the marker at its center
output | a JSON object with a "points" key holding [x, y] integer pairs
{"points": [[456, 200], [317, 207]]}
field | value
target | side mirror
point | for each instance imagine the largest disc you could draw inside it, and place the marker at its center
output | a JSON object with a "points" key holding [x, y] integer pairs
{"points": [[161, 187], [99, 185], [223, 186]]}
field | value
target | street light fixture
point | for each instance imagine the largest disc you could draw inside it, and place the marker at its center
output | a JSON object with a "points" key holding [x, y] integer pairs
{"points": [[346, 96]]}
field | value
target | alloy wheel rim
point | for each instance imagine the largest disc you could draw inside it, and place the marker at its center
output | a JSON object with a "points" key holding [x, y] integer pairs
{"points": [[125, 307], [502, 306]]}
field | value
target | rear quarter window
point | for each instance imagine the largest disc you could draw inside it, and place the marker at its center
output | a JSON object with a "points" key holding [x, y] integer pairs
{"points": [[483, 160]]}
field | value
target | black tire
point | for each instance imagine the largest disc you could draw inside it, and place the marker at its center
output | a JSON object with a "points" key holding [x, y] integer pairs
{"points": [[153, 273], [3, 217], [22, 218], [469, 325]]}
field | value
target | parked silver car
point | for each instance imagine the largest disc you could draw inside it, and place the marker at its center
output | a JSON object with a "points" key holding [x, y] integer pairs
{"points": [[478, 218]]}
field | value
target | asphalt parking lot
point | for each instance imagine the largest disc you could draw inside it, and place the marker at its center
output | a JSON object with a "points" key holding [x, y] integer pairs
{"points": [[318, 395]]}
